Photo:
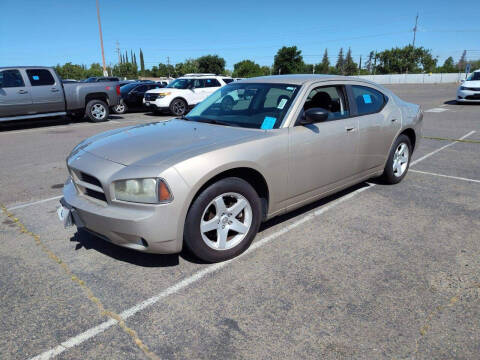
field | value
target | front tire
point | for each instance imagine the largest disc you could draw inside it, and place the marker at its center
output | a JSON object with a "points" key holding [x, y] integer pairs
{"points": [[178, 107], [97, 111], [223, 220], [398, 160]]}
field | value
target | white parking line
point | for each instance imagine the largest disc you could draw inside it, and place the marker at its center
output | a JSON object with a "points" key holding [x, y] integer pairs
{"points": [[440, 149], [446, 176], [436, 110], [20, 206], [94, 331], [90, 333]]}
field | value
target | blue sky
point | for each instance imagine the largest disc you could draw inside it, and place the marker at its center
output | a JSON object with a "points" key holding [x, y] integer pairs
{"points": [[47, 32]]}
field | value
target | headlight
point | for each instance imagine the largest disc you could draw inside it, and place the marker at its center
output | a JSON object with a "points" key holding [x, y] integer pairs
{"points": [[147, 191], [163, 94]]}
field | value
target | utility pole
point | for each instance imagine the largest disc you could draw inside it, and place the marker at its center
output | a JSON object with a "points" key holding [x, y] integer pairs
{"points": [[101, 41], [118, 52], [168, 66], [415, 30], [360, 65]]}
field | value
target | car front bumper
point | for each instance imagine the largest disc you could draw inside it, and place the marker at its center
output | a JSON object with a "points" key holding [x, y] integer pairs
{"points": [[152, 228], [468, 96]]}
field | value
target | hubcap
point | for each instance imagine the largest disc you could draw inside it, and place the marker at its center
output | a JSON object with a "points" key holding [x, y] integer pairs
{"points": [[98, 111], [179, 107], [226, 221], [400, 159]]}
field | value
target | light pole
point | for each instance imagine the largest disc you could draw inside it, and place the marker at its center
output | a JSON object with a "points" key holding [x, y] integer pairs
{"points": [[101, 41]]}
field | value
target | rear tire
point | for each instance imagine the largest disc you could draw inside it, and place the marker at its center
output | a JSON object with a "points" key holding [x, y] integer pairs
{"points": [[120, 108], [398, 160], [97, 111], [223, 220]]}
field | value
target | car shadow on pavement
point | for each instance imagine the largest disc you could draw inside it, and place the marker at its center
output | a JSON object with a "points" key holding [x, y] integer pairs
{"points": [[89, 241], [454, 102], [313, 206]]}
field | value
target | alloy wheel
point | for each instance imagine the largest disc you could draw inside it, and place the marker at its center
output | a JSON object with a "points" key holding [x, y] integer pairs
{"points": [[98, 111], [400, 159], [226, 221]]}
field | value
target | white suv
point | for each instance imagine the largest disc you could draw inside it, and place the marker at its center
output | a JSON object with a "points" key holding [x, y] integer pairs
{"points": [[184, 93]]}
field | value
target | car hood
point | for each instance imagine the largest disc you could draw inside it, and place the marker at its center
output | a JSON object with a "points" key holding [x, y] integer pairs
{"points": [[162, 90], [473, 83], [154, 143]]}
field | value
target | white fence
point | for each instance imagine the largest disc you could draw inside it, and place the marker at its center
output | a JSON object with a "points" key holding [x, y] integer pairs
{"points": [[414, 78]]}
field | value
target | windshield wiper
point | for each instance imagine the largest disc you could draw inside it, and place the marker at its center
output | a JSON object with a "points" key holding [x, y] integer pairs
{"points": [[213, 121]]}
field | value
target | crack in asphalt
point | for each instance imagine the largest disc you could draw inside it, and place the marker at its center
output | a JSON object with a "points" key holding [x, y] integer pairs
{"points": [[427, 323], [89, 293]]}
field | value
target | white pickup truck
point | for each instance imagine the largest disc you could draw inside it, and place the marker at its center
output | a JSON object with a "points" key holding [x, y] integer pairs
{"points": [[29, 92]]}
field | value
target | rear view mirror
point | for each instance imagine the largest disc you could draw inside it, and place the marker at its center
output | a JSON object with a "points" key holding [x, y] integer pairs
{"points": [[314, 115]]}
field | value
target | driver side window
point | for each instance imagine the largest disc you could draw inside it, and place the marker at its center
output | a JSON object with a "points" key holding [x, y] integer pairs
{"points": [[331, 99]]}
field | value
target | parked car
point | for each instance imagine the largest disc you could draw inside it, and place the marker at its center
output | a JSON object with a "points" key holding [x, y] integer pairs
{"points": [[101, 79], [207, 180], [66, 81], [132, 95], [183, 93], [30, 92], [469, 90]]}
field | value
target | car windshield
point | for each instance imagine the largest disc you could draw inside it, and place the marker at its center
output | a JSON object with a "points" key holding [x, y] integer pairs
{"points": [[474, 76], [180, 84], [251, 105]]}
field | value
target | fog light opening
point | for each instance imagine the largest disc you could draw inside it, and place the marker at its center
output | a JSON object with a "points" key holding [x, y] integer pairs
{"points": [[144, 242]]}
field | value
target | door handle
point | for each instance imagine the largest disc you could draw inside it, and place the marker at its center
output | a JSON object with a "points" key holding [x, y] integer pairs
{"points": [[393, 120], [22, 91], [350, 129], [54, 90]]}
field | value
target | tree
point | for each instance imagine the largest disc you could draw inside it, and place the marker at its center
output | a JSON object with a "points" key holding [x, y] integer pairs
{"points": [[142, 63], [246, 69], [339, 67], [288, 60], [405, 60], [94, 70], [71, 71], [324, 66], [189, 66], [448, 66], [369, 63], [211, 64], [349, 67], [266, 70]]}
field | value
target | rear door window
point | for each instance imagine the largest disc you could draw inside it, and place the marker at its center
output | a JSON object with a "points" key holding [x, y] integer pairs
{"points": [[368, 100], [40, 77], [198, 83], [227, 81], [212, 83], [11, 78]]}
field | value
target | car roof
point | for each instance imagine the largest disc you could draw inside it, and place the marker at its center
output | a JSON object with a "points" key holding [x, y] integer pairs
{"points": [[297, 79], [25, 67]]}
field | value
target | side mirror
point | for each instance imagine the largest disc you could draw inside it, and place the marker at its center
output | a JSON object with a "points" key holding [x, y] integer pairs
{"points": [[314, 115]]}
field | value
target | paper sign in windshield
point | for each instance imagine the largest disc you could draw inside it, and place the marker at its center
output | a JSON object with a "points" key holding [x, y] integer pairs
{"points": [[367, 99], [268, 123], [282, 103], [35, 77]]}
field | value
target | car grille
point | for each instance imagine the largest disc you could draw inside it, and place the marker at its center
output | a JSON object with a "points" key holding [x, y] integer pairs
{"points": [[151, 97], [472, 89], [88, 185], [473, 97]]}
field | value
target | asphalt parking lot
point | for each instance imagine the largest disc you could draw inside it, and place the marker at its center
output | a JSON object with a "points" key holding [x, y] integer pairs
{"points": [[376, 272]]}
